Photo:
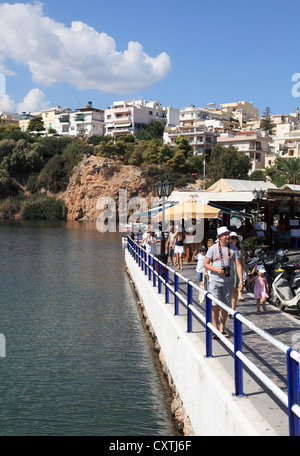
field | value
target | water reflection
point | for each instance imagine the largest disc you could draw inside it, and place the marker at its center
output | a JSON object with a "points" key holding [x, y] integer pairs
{"points": [[78, 361]]}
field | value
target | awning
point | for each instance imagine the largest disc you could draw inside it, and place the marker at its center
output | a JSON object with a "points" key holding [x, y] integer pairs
{"points": [[154, 211], [235, 213], [189, 208]]}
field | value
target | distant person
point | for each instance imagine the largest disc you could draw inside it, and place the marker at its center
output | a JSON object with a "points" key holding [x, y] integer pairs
{"points": [[150, 242], [200, 257], [261, 289], [178, 247], [169, 245], [219, 261]]}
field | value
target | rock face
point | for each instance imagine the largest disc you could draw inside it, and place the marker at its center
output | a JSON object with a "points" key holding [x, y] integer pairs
{"points": [[96, 177]]}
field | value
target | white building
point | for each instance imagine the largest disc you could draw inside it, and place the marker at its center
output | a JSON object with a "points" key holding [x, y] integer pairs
{"points": [[86, 121], [255, 144], [128, 117]]}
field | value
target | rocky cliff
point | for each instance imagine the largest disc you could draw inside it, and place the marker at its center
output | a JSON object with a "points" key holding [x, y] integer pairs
{"points": [[96, 177]]}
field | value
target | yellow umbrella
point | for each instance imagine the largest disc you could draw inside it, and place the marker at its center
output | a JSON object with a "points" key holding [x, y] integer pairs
{"points": [[189, 208]]}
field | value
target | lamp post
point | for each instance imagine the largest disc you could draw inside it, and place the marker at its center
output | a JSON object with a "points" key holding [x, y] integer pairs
{"points": [[258, 196], [163, 191]]}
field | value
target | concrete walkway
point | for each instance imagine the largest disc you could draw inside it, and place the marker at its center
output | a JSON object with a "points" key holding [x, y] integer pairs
{"points": [[285, 326]]}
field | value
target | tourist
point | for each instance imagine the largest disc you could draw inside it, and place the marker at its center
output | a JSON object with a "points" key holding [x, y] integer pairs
{"points": [[146, 233], [219, 261], [236, 293], [150, 241], [169, 245], [178, 247], [261, 289], [200, 257]]}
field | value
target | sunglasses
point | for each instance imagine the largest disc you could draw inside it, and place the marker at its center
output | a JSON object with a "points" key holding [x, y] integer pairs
{"points": [[233, 237]]}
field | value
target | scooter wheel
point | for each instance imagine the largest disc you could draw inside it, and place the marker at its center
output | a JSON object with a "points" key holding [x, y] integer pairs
{"points": [[281, 307]]}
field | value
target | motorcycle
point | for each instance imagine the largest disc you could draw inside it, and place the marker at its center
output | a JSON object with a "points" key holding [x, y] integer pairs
{"points": [[285, 291]]}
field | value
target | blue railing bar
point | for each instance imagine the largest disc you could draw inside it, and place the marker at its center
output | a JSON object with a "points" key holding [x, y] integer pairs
{"points": [[189, 311], [293, 393], [238, 348]]}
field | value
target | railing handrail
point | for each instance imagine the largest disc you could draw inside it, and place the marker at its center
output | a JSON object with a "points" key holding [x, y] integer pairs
{"points": [[148, 263]]}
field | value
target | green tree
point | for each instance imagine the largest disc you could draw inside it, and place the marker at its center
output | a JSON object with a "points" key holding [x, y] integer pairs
{"points": [[289, 169], [228, 162], [183, 144], [178, 161], [266, 121], [258, 175], [35, 124], [154, 130]]}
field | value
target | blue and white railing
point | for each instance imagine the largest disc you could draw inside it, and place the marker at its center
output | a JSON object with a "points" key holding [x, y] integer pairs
{"points": [[153, 269]]}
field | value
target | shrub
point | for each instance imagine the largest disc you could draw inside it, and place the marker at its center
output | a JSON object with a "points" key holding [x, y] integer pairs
{"points": [[43, 207]]}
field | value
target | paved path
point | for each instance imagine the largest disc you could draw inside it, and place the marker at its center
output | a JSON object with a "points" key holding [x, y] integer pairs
{"points": [[282, 325]]}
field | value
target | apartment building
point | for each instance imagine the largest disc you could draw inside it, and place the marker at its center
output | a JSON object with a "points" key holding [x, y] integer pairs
{"points": [[167, 115], [242, 111], [286, 142], [127, 117], [254, 143], [199, 137], [87, 121]]}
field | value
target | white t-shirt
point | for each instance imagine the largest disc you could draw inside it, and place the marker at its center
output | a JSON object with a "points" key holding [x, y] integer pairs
{"points": [[200, 264]]}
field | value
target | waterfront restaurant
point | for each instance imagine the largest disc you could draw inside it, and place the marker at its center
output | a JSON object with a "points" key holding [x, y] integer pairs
{"points": [[253, 208]]}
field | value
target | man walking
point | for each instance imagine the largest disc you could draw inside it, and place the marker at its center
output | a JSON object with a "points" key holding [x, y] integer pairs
{"points": [[219, 261]]}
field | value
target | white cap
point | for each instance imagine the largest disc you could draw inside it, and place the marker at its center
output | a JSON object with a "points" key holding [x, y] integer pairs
{"points": [[261, 269], [233, 234], [222, 230]]}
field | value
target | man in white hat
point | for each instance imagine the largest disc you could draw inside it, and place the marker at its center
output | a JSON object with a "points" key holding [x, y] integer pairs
{"points": [[219, 261]]}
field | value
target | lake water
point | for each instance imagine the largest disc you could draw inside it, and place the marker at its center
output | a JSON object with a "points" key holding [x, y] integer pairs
{"points": [[78, 360]]}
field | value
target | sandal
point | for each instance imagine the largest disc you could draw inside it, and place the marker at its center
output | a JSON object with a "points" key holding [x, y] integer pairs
{"points": [[215, 337], [225, 334]]}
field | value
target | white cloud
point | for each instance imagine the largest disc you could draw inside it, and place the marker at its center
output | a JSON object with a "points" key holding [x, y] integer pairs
{"points": [[34, 101], [6, 104], [79, 55]]}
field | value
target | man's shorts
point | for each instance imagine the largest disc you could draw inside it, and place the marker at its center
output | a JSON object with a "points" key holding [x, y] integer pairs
{"points": [[221, 291]]}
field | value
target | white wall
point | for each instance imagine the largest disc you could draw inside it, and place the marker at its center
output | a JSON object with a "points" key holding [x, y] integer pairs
{"points": [[204, 387]]}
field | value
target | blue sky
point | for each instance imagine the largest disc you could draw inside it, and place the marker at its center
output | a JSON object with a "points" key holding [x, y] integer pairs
{"points": [[180, 53]]}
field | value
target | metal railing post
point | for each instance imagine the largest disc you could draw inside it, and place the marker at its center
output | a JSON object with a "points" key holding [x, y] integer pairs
{"points": [[154, 270], [167, 300], [189, 311], [208, 331], [149, 267], [293, 393], [159, 278], [238, 364], [176, 288]]}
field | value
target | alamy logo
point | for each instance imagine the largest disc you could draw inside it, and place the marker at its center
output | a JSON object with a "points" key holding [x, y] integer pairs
{"points": [[296, 87], [2, 346], [2, 85]]}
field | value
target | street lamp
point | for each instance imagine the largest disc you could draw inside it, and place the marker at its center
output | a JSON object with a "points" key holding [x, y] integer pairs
{"points": [[163, 190], [258, 196]]}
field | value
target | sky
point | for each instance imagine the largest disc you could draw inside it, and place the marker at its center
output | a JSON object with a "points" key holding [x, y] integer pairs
{"points": [[66, 53]]}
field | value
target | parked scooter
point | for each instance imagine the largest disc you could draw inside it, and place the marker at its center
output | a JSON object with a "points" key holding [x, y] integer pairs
{"points": [[285, 291]]}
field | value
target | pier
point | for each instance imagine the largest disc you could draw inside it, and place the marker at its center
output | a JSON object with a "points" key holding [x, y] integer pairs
{"points": [[245, 385]]}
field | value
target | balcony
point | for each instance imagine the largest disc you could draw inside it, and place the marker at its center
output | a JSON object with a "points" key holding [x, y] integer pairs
{"points": [[79, 118], [64, 119]]}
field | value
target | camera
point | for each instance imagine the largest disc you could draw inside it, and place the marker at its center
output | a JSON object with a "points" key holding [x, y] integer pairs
{"points": [[226, 270]]}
